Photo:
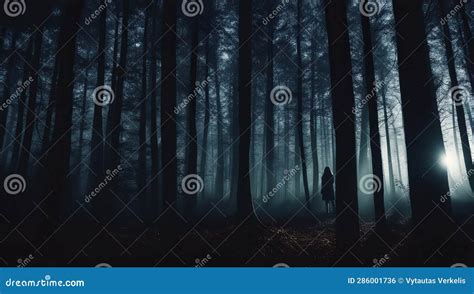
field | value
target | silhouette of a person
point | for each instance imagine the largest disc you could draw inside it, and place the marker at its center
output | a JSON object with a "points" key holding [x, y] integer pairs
{"points": [[327, 190]]}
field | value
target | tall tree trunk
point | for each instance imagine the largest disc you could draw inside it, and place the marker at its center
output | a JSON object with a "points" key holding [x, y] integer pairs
{"points": [[7, 89], [46, 137], [20, 119], [397, 149], [300, 133], [459, 105], [142, 162], [168, 117], [118, 28], [30, 114], [455, 140], [347, 220], [155, 161], [83, 114], [97, 140], [59, 152], [313, 123], [375, 150], [115, 113], [207, 114], [192, 158], [244, 197], [269, 106], [422, 134], [364, 141], [220, 162], [388, 142]]}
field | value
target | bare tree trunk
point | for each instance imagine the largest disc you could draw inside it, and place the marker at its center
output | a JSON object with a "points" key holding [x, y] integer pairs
{"points": [[46, 138], [59, 153], [423, 136], [114, 127], [347, 220], [83, 113], [7, 89], [25, 151], [97, 132], [155, 160], [300, 133], [244, 197], [375, 150], [313, 123], [207, 105], [269, 106], [219, 182], [142, 142], [168, 117], [192, 154], [20, 120]]}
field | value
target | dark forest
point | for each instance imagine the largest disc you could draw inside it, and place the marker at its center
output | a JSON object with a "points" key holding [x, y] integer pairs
{"points": [[196, 133]]}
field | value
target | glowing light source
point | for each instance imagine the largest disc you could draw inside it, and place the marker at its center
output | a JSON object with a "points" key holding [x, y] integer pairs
{"points": [[448, 161]]}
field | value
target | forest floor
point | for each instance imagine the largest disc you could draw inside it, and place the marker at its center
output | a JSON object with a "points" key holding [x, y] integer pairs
{"points": [[295, 245]]}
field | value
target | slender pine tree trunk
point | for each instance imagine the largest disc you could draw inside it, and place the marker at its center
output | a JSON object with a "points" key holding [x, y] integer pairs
{"points": [[347, 220]]}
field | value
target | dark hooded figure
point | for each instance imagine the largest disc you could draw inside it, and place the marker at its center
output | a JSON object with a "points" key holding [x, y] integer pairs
{"points": [[327, 190]]}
